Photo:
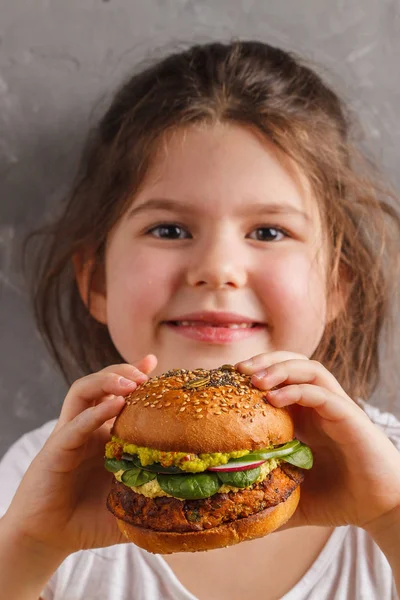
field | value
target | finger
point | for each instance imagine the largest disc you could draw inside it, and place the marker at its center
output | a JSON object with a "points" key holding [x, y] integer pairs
{"points": [[119, 380], [147, 364], [126, 370], [296, 371], [328, 405], [265, 360], [67, 445], [340, 417]]}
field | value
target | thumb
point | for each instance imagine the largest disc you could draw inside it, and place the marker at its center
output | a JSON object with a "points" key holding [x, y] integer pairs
{"points": [[147, 364]]}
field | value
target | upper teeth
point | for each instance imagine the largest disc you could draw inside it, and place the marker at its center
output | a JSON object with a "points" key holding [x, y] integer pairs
{"points": [[228, 325]]}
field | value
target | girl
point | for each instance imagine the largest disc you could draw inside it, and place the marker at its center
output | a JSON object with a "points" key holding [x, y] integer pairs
{"points": [[220, 216]]}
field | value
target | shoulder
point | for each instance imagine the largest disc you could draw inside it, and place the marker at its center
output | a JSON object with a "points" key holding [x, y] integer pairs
{"points": [[17, 460], [386, 421]]}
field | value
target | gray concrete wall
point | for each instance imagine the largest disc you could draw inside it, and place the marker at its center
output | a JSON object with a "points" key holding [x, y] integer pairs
{"points": [[59, 59]]}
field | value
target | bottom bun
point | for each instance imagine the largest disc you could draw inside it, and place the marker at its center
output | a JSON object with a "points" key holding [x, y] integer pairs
{"points": [[255, 526]]}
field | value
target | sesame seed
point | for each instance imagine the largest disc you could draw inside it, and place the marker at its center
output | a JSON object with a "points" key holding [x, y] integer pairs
{"points": [[152, 405], [159, 396], [198, 410], [217, 412], [225, 409], [146, 403], [246, 405], [182, 409], [199, 416], [160, 406], [168, 404]]}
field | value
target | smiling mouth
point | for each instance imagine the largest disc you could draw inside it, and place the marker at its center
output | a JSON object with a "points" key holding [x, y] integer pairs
{"points": [[209, 324]]}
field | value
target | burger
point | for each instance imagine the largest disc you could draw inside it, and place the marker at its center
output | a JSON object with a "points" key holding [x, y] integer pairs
{"points": [[202, 460]]}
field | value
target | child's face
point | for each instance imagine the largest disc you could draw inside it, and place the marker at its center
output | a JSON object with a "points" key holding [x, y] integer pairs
{"points": [[208, 235]]}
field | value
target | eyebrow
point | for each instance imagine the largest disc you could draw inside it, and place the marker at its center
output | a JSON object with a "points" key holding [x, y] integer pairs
{"points": [[254, 208]]}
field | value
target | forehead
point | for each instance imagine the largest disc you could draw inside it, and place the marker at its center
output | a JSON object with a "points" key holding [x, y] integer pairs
{"points": [[225, 164]]}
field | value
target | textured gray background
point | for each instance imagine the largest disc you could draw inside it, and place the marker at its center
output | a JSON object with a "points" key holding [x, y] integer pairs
{"points": [[60, 60]]}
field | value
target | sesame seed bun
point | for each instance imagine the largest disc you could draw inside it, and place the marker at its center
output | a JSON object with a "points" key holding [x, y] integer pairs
{"points": [[233, 532], [202, 411]]}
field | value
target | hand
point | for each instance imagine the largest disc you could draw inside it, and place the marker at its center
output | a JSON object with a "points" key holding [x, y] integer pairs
{"points": [[356, 474], [61, 501]]}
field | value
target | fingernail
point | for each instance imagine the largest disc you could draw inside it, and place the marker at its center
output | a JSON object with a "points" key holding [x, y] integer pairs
{"points": [[142, 376], [260, 374], [127, 383], [138, 374], [247, 363], [274, 393]]}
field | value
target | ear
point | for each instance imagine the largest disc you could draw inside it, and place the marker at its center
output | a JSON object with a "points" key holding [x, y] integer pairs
{"points": [[340, 292], [91, 282]]}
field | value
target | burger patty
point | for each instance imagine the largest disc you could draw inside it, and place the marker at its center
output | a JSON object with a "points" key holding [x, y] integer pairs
{"points": [[171, 514]]}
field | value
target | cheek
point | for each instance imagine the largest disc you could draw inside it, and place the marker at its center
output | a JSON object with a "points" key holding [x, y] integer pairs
{"points": [[137, 286], [293, 291]]}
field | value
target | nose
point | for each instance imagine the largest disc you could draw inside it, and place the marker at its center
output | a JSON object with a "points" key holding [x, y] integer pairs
{"points": [[218, 264]]}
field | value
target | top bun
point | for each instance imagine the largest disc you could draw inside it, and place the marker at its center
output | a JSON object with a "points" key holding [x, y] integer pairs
{"points": [[202, 411]]}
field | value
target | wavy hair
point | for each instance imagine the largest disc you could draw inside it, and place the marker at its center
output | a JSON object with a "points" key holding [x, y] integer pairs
{"points": [[279, 95]]}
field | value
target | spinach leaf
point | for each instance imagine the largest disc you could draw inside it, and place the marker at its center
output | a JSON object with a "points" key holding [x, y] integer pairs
{"points": [[240, 479], [156, 467], [113, 465], [190, 487], [136, 477], [302, 458]]}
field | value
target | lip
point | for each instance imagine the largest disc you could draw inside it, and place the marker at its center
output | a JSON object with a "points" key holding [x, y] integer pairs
{"points": [[217, 334], [219, 318]]}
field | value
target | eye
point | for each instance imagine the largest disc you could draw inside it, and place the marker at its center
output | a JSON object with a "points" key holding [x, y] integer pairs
{"points": [[268, 234], [169, 231]]}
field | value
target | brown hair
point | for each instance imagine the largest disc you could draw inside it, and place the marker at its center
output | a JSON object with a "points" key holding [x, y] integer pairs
{"points": [[280, 96]]}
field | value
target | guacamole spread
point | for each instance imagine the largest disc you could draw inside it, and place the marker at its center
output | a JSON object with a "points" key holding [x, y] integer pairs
{"points": [[193, 463]]}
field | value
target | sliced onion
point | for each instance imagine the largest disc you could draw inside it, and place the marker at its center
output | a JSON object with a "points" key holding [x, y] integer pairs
{"points": [[240, 465]]}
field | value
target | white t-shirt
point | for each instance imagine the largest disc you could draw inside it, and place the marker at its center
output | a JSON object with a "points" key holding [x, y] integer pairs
{"points": [[350, 566]]}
